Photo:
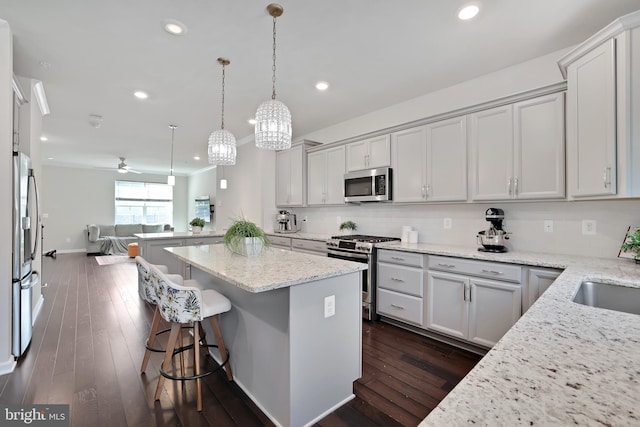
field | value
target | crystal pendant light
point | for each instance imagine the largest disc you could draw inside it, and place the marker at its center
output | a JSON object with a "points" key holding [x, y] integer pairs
{"points": [[273, 119], [171, 179], [222, 143]]}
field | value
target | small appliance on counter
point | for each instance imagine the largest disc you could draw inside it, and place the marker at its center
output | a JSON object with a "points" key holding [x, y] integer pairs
{"points": [[493, 239], [286, 222]]}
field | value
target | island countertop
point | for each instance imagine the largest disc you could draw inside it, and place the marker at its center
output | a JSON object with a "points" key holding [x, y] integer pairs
{"points": [[178, 235], [273, 269]]}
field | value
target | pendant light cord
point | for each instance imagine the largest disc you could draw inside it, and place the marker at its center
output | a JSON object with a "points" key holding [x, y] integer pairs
{"points": [[173, 129], [273, 67], [223, 75]]}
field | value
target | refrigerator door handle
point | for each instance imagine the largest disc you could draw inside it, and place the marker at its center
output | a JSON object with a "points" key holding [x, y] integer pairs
{"points": [[34, 281], [35, 191]]}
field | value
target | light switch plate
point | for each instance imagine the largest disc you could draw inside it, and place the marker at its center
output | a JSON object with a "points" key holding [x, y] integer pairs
{"points": [[588, 226], [329, 306], [548, 226], [448, 223]]}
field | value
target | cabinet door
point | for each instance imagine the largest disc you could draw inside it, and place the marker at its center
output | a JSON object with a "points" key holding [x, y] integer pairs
{"points": [[539, 148], [283, 177], [491, 143], [409, 154], [316, 178], [379, 152], [356, 155], [446, 310], [153, 251], [335, 176], [494, 307], [297, 180], [591, 123], [446, 168], [538, 281]]}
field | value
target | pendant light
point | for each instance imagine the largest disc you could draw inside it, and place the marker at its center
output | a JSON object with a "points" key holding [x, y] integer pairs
{"points": [[223, 181], [273, 119], [171, 179], [222, 143]]}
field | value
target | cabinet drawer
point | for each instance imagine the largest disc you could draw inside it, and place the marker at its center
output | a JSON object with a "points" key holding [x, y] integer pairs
{"points": [[203, 241], [309, 245], [408, 280], [494, 270], [400, 306], [281, 242], [405, 258]]}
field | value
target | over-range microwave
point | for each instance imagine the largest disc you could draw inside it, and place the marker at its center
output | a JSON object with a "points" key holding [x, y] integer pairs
{"points": [[370, 185]]}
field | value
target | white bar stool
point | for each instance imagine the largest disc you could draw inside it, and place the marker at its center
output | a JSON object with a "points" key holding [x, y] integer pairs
{"points": [[181, 304]]}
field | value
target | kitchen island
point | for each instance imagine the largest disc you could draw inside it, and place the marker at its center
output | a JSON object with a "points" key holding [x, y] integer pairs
{"points": [[562, 363], [294, 331]]}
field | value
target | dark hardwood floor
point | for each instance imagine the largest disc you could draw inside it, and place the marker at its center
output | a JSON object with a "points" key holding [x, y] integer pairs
{"points": [[88, 345]]}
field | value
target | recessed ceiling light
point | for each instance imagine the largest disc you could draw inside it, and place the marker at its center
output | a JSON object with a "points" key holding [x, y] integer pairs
{"points": [[174, 27], [140, 94], [44, 138], [196, 157], [468, 11], [251, 121], [322, 85]]}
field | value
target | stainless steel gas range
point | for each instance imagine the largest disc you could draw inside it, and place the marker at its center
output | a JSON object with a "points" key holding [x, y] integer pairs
{"points": [[360, 248]]}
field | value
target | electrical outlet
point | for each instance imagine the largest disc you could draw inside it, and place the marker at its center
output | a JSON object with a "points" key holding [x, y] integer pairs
{"points": [[448, 223], [305, 219], [548, 226], [329, 306], [588, 226], [45, 215]]}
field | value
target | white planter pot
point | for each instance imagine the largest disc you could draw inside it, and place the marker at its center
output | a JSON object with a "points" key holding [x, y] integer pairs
{"points": [[195, 229], [252, 247]]}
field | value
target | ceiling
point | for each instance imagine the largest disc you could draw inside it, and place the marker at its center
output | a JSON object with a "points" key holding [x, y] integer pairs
{"points": [[92, 55]]}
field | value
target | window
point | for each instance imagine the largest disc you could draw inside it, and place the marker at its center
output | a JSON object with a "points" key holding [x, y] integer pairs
{"points": [[143, 203], [203, 209]]}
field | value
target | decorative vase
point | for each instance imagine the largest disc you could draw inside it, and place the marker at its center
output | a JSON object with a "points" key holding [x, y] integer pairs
{"points": [[252, 247], [196, 229]]}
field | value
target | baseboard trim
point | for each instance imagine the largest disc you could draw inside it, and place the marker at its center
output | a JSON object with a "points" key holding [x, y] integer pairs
{"points": [[68, 251], [8, 367]]}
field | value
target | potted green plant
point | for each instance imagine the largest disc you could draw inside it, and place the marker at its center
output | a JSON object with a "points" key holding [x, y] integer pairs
{"points": [[348, 227], [632, 244], [196, 224], [245, 238]]}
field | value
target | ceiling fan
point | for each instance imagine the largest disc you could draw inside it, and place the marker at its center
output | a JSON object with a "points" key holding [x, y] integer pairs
{"points": [[124, 168]]}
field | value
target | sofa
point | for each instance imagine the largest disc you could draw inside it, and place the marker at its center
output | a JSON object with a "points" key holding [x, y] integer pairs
{"points": [[112, 239]]}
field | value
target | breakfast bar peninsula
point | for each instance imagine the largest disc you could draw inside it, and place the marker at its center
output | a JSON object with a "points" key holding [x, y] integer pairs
{"points": [[294, 332]]}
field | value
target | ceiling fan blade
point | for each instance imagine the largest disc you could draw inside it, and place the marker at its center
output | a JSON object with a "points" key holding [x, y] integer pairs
{"points": [[133, 171]]}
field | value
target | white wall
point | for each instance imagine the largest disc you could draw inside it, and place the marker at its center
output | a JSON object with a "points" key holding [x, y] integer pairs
{"points": [[75, 197], [6, 167]]}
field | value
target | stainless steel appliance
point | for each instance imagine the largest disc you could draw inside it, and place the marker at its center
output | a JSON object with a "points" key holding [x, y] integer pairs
{"points": [[286, 222], [360, 248], [370, 185], [493, 239], [25, 248]]}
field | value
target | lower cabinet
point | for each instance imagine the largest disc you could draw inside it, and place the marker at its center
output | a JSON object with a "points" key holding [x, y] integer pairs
{"points": [[314, 247], [280, 242], [473, 309], [153, 251], [538, 280]]}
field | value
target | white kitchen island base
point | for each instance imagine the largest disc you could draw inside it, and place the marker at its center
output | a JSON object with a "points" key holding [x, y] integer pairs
{"points": [[296, 364]]}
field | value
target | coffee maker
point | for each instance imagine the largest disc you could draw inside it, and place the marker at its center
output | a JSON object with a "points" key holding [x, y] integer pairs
{"points": [[493, 239], [286, 222]]}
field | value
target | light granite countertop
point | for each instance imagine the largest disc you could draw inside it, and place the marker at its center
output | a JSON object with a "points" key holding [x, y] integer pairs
{"points": [[178, 235], [302, 235], [562, 363], [273, 269]]}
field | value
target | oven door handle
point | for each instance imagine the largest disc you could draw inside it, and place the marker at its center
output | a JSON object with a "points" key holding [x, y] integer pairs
{"points": [[354, 256]]}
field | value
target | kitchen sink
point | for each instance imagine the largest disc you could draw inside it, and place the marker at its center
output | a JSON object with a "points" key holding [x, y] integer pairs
{"points": [[611, 297]]}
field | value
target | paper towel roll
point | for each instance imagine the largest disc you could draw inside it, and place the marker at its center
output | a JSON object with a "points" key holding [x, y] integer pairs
{"points": [[405, 236], [413, 236]]}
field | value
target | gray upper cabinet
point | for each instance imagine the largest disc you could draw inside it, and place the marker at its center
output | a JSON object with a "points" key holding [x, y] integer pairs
{"points": [[603, 101], [291, 175], [325, 171], [368, 153], [517, 150]]}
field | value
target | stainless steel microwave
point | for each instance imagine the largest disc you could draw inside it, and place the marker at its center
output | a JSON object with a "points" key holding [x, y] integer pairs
{"points": [[370, 185]]}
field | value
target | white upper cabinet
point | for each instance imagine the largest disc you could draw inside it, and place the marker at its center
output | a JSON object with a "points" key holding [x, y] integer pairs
{"points": [[325, 171], [517, 150], [369, 153], [603, 101], [291, 175], [430, 162]]}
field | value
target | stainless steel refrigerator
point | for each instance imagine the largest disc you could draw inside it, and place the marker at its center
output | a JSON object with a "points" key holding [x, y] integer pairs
{"points": [[25, 248]]}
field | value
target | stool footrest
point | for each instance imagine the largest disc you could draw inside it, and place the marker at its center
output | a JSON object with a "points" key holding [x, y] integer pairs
{"points": [[194, 377], [162, 350]]}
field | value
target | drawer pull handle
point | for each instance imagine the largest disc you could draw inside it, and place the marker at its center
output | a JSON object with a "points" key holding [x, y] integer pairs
{"points": [[396, 279], [397, 306], [198, 243], [492, 272], [397, 258], [446, 265]]}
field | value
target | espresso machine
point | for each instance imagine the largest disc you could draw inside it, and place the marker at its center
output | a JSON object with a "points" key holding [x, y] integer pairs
{"points": [[493, 239], [286, 222]]}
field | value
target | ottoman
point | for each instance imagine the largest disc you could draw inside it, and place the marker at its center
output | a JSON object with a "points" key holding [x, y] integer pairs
{"points": [[132, 249]]}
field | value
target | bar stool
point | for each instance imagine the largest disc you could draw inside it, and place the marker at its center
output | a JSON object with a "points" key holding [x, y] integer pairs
{"points": [[179, 305], [147, 291]]}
